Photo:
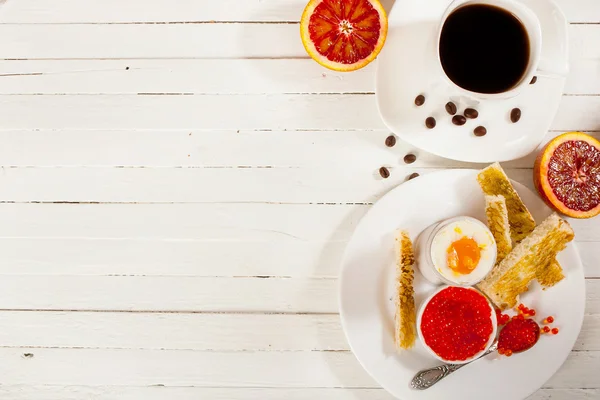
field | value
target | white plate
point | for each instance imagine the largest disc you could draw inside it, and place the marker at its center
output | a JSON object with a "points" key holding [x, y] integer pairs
{"points": [[367, 287], [407, 67]]}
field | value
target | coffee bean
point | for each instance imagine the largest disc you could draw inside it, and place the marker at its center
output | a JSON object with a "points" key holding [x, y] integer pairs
{"points": [[430, 122], [533, 80], [515, 115], [390, 141], [384, 172], [459, 120], [471, 113], [480, 131], [413, 176], [451, 108], [410, 158], [420, 100]]}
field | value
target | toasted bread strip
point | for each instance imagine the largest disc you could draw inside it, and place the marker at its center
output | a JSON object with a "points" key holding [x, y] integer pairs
{"points": [[550, 274], [405, 319], [497, 217], [512, 277], [493, 181]]}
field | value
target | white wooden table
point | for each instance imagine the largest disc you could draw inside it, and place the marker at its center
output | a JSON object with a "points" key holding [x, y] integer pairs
{"points": [[178, 184]]}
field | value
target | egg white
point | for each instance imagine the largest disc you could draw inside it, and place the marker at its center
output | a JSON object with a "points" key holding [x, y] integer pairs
{"points": [[457, 230]]}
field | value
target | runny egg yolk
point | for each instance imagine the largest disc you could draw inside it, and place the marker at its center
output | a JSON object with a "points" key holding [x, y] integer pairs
{"points": [[463, 255]]}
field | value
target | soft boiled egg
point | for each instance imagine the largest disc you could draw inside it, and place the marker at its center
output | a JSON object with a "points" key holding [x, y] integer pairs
{"points": [[463, 251]]}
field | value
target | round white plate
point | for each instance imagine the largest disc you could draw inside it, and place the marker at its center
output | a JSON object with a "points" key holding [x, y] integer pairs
{"points": [[408, 66], [367, 288]]}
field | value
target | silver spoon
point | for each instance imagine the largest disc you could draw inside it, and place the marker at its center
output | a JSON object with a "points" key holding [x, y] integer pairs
{"points": [[428, 377]]}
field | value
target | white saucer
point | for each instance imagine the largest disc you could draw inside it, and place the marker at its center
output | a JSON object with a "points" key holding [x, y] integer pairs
{"points": [[408, 67], [367, 287]]}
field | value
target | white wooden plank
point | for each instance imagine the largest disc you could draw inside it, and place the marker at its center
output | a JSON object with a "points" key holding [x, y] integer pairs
{"points": [[182, 368], [294, 112], [186, 294], [341, 184], [229, 112], [186, 257], [190, 257], [231, 223], [206, 332], [41, 41], [174, 257], [244, 185], [192, 148], [193, 239], [119, 11], [177, 185], [244, 76], [217, 369], [50, 41], [49, 392]]}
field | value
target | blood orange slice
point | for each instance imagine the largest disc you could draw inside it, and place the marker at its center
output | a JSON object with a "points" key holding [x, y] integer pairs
{"points": [[343, 35], [567, 175]]}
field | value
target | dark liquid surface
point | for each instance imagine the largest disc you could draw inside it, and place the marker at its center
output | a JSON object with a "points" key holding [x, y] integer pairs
{"points": [[484, 48]]}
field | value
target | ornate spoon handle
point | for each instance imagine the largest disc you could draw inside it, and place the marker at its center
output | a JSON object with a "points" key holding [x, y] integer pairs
{"points": [[429, 377]]}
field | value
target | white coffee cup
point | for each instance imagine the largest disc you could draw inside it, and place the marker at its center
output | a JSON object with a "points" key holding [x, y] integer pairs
{"points": [[534, 31]]}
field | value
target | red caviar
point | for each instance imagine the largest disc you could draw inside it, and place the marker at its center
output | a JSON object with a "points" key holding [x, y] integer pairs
{"points": [[501, 318], [555, 331], [518, 335], [457, 323]]}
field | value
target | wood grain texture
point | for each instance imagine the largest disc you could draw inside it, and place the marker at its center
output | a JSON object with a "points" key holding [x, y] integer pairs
{"points": [[138, 11], [176, 196], [222, 369], [341, 184], [160, 41], [158, 392], [264, 256], [285, 240], [201, 332], [221, 149], [186, 294], [244, 76], [230, 112]]}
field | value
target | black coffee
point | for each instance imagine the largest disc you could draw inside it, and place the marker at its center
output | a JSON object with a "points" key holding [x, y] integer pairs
{"points": [[484, 48]]}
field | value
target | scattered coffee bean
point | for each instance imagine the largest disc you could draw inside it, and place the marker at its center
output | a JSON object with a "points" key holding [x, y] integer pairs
{"points": [[451, 108], [384, 172], [515, 115], [533, 80], [471, 113], [420, 100], [410, 158], [390, 141], [459, 120], [430, 122], [413, 176], [480, 131]]}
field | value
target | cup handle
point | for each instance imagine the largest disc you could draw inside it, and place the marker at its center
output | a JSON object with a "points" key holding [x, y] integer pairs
{"points": [[554, 59]]}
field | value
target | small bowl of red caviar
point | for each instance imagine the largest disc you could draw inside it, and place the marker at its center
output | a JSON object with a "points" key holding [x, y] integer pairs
{"points": [[457, 324]]}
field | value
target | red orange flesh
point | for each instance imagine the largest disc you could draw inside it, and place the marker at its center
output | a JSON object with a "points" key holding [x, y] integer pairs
{"points": [[343, 35], [567, 175]]}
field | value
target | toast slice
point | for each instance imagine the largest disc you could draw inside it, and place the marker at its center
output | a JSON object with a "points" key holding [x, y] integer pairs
{"points": [[497, 217], [494, 182], [549, 275], [405, 318], [513, 275]]}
